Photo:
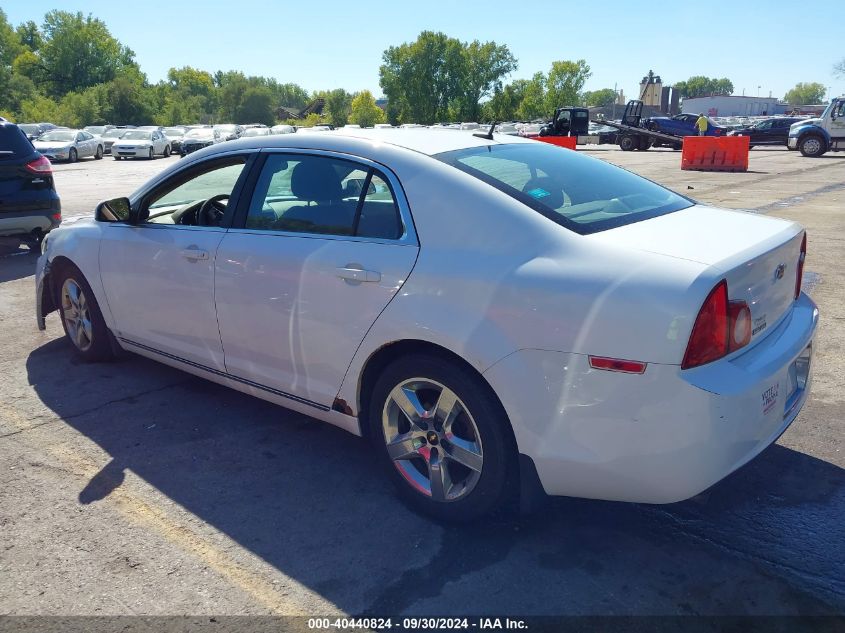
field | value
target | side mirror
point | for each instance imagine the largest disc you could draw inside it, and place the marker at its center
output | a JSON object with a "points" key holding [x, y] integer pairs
{"points": [[116, 210]]}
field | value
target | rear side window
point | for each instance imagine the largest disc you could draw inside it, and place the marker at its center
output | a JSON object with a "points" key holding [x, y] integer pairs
{"points": [[583, 194], [300, 193], [13, 142]]}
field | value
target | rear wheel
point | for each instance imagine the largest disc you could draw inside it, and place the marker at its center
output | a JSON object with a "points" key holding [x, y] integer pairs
{"points": [[628, 143], [81, 317], [444, 438], [811, 146]]}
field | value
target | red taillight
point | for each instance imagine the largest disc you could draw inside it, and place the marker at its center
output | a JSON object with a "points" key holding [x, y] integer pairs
{"points": [[40, 166], [617, 364], [721, 327], [709, 338], [799, 270]]}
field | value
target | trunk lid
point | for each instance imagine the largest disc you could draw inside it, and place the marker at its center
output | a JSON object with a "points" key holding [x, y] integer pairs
{"points": [[757, 255]]}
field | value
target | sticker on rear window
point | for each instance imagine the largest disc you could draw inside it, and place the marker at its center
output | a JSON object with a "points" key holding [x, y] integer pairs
{"points": [[539, 193]]}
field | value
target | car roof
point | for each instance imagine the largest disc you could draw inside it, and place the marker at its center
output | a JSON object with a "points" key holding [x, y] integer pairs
{"points": [[424, 141]]}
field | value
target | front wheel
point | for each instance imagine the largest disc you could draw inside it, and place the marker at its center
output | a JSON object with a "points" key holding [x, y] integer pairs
{"points": [[81, 317], [811, 146], [99, 153], [150, 154], [444, 438], [72, 156], [166, 151]]}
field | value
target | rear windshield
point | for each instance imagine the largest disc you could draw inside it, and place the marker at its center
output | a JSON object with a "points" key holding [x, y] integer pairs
{"points": [[13, 142], [583, 194]]}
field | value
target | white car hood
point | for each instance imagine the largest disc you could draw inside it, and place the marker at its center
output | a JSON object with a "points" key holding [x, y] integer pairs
{"points": [[51, 145]]}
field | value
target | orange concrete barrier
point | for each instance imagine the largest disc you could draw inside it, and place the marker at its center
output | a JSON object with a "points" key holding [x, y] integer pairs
{"points": [[715, 153], [569, 142]]}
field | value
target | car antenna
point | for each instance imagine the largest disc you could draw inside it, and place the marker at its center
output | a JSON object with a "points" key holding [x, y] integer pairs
{"points": [[489, 134]]}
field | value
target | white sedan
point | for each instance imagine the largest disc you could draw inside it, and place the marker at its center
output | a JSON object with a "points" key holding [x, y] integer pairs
{"points": [[140, 143], [499, 316]]}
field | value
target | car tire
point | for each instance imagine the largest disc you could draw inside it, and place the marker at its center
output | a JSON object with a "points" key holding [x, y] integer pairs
{"points": [[166, 151], [812, 146], [99, 153], [151, 154], [117, 157], [628, 143], [477, 434], [81, 317], [72, 155]]}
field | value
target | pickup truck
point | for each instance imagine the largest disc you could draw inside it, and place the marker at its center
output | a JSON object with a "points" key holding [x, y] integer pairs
{"points": [[814, 137]]}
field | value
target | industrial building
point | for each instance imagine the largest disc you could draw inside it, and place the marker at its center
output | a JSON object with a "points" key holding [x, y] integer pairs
{"points": [[735, 105]]}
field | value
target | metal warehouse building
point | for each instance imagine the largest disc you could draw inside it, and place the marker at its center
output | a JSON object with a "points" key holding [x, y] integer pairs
{"points": [[735, 105]]}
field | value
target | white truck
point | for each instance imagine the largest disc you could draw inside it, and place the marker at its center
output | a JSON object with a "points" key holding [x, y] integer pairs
{"points": [[814, 137]]}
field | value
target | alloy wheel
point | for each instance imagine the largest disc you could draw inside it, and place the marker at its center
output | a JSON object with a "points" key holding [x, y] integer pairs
{"points": [[812, 146], [432, 439], [77, 315]]}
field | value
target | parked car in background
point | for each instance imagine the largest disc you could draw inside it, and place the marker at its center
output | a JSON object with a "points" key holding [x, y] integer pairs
{"points": [[392, 310], [683, 125], [175, 135], [29, 204], [141, 143], [256, 131], [282, 129], [110, 136], [229, 131], [34, 130], [773, 131], [69, 145], [198, 138], [98, 130]]}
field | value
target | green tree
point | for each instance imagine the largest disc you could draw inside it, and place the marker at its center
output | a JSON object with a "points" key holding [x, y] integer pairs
{"points": [[533, 104], [79, 52], [504, 103], [839, 69], [564, 84], [78, 109], [485, 65], [39, 108], [256, 106], [126, 100], [338, 107], [806, 93], [29, 35], [701, 86], [436, 77], [600, 98], [365, 112]]}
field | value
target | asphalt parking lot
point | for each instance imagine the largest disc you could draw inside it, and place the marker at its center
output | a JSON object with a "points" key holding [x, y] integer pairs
{"points": [[133, 488]]}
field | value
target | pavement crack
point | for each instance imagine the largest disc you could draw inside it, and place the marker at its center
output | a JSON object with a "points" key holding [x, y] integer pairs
{"points": [[99, 407]]}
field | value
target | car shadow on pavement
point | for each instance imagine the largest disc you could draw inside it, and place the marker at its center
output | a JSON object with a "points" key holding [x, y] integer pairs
{"points": [[310, 500], [16, 262]]}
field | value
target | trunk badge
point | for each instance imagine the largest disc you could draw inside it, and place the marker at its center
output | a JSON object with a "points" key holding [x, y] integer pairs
{"points": [[781, 268]]}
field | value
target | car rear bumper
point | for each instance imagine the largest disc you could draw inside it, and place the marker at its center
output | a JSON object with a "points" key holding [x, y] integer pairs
{"points": [[662, 436], [27, 222]]}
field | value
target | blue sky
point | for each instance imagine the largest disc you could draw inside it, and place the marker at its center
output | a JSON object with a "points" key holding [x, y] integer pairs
{"points": [[330, 43]]}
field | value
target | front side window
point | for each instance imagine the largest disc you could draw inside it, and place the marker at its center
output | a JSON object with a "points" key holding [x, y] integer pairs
{"points": [[198, 198], [316, 194], [585, 195]]}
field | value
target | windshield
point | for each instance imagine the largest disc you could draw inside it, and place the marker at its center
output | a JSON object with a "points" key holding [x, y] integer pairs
{"points": [[29, 128], [583, 194], [199, 134], [226, 127], [136, 135], [113, 133], [58, 136], [174, 131], [257, 131], [95, 129]]}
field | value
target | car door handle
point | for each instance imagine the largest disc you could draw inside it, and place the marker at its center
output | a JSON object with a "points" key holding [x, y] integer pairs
{"points": [[194, 253], [358, 274]]}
